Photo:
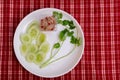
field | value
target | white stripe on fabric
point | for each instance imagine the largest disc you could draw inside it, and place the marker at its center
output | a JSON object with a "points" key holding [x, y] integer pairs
{"points": [[62, 4], [52, 3], [72, 7], [102, 39], [31, 5], [112, 39], [10, 40], [42, 3], [92, 39]]}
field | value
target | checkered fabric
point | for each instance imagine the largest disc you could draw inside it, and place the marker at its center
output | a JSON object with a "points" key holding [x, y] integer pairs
{"points": [[100, 21]]}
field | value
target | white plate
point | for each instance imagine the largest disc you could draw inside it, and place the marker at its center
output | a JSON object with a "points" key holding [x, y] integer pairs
{"points": [[57, 68]]}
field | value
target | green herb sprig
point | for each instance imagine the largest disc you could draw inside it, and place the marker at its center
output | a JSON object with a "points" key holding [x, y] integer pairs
{"points": [[67, 32]]}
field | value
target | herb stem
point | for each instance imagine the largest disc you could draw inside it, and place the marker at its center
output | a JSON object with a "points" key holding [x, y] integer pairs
{"points": [[63, 56], [47, 61], [51, 52]]}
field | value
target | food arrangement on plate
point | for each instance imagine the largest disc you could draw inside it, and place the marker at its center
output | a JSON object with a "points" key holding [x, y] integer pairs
{"points": [[34, 45]]}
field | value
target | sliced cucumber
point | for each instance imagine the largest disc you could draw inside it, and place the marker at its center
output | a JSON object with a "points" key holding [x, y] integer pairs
{"points": [[33, 32], [33, 29], [34, 45], [25, 38], [41, 38], [45, 46], [30, 57], [23, 49], [32, 25], [39, 58], [32, 48]]}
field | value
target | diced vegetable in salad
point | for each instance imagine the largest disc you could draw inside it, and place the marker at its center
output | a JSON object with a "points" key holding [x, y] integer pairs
{"points": [[48, 23]]}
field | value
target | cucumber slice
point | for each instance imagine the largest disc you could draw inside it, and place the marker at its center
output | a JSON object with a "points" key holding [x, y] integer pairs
{"points": [[33, 29], [39, 58], [33, 24], [33, 32], [45, 46], [25, 38], [30, 57], [32, 48], [23, 49], [41, 38]]}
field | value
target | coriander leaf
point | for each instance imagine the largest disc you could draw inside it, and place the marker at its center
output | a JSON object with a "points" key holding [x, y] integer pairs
{"points": [[65, 30], [59, 16], [65, 22], [71, 24], [73, 40], [78, 42], [59, 21], [62, 35], [56, 45], [70, 33], [55, 13]]}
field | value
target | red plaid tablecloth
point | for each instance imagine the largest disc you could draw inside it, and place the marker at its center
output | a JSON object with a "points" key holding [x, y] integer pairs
{"points": [[100, 21]]}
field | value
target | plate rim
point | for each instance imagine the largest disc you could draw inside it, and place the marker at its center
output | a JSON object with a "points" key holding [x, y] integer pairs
{"points": [[76, 63]]}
